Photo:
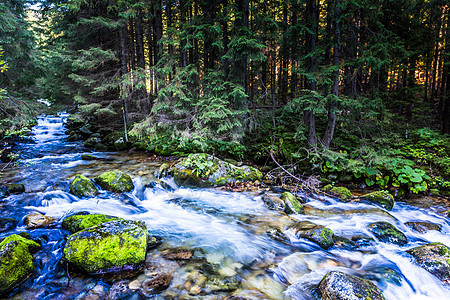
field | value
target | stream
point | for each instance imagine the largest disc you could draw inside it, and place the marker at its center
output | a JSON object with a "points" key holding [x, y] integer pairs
{"points": [[229, 233]]}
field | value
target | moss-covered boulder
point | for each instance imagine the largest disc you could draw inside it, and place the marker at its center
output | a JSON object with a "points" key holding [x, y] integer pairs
{"points": [[80, 222], [82, 187], [75, 121], [318, 234], [108, 247], [340, 192], [423, 227], [88, 157], [292, 205], [37, 220], [388, 233], [16, 262], [120, 144], [203, 170], [115, 181], [340, 286], [435, 258], [15, 188], [7, 224], [383, 198], [92, 142]]}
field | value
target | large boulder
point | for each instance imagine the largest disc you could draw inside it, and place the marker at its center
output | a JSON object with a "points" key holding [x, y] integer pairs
{"points": [[388, 233], [318, 234], [108, 247], [115, 181], [92, 142], [80, 222], [292, 205], [383, 198], [16, 262], [82, 187], [340, 286], [273, 202], [203, 170], [435, 258]]}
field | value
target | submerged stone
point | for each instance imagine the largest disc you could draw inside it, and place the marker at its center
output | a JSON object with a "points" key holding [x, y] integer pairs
{"points": [[82, 186], [435, 258], [7, 224], [340, 286], [16, 262], [318, 234], [388, 233], [292, 203], [115, 181], [79, 222], [109, 247], [203, 170], [35, 221], [383, 198]]}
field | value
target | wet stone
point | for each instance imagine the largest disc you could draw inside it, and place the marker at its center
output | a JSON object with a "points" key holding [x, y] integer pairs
{"points": [[35, 221], [156, 284], [120, 290], [318, 234], [273, 202], [435, 258], [388, 233], [341, 286], [423, 227]]}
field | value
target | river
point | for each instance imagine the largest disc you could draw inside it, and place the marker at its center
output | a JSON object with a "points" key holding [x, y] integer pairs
{"points": [[229, 232]]}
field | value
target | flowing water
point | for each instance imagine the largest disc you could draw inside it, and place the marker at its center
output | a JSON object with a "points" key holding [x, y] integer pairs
{"points": [[230, 233]]}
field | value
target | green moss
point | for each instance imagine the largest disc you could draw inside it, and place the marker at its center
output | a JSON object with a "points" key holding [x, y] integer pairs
{"points": [[113, 244], [115, 181], [383, 198], [327, 188], [76, 223], [16, 262], [292, 204], [82, 186]]}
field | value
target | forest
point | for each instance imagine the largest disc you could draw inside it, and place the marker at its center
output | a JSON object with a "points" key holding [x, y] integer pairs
{"points": [[225, 149], [337, 88]]}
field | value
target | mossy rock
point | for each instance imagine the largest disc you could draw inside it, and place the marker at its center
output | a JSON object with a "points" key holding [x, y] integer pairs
{"points": [[15, 188], [292, 203], [75, 121], [82, 186], [121, 145], [340, 286], [108, 247], [115, 181], [435, 258], [383, 198], [204, 170], [16, 262], [341, 192], [92, 142], [112, 137], [388, 233], [423, 227], [101, 147], [80, 222], [318, 234]]}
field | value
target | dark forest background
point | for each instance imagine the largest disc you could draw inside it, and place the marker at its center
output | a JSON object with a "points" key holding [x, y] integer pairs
{"points": [[353, 90]]}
